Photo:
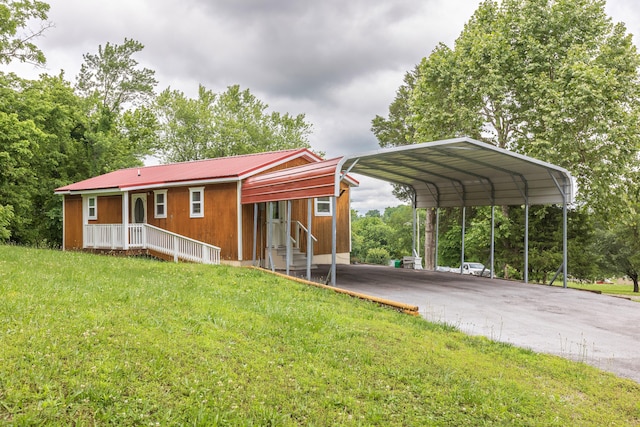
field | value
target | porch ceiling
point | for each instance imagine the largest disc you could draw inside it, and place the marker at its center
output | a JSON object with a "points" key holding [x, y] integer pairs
{"points": [[465, 172]]}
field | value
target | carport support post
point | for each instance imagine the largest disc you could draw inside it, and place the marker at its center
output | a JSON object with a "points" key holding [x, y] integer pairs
{"points": [[415, 222], [270, 233], [288, 222], [493, 239], [464, 216], [564, 241], [255, 232], [334, 236], [526, 242], [435, 261], [309, 244]]}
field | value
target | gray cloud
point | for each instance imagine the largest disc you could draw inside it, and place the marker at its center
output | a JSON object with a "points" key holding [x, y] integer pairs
{"points": [[339, 62]]}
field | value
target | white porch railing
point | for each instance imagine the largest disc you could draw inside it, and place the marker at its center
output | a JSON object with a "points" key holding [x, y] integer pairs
{"points": [[145, 236], [180, 247], [103, 236]]}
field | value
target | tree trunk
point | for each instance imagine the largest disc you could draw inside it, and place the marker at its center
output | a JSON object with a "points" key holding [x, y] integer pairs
{"points": [[635, 283], [430, 240]]}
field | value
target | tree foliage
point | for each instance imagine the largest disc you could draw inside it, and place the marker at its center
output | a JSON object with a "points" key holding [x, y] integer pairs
{"points": [[50, 136], [556, 80], [397, 128], [620, 242], [553, 79], [120, 130], [378, 237], [217, 125], [113, 79], [369, 232], [16, 38], [40, 149]]}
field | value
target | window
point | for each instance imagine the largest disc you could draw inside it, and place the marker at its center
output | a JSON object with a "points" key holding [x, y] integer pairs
{"points": [[160, 198], [323, 206], [92, 207], [196, 196]]}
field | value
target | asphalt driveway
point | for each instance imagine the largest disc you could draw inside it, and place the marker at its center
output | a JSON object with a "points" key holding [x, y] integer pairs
{"points": [[600, 330]]}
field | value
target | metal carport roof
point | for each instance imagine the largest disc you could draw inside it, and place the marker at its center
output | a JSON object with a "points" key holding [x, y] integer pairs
{"points": [[465, 172]]}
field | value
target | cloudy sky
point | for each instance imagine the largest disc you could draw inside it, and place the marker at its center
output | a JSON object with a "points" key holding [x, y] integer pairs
{"points": [[338, 62]]}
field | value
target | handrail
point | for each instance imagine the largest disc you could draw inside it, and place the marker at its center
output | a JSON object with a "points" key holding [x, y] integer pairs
{"points": [[180, 236], [306, 231], [179, 246]]}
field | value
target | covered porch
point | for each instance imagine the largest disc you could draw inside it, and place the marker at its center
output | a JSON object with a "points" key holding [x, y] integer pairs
{"points": [[298, 212]]}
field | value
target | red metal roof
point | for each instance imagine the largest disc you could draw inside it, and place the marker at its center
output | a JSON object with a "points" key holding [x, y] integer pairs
{"points": [[301, 182], [231, 168]]}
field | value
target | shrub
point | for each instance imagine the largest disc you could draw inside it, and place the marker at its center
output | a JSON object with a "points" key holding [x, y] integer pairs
{"points": [[377, 256]]}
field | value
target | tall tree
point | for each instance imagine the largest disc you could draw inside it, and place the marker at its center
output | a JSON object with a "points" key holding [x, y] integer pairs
{"points": [[217, 125], [113, 78], [620, 242], [40, 150], [16, 36], [398, 129], [554, 79], [186, 125], [113, 86], [621, 248]]}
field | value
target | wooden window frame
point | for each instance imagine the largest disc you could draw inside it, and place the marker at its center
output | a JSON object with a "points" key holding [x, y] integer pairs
{"points": [[156, 193], [192, 203], [320, 201]]}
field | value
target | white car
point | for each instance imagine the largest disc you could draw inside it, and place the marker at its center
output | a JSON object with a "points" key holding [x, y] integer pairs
{"points": [[475, 269]]}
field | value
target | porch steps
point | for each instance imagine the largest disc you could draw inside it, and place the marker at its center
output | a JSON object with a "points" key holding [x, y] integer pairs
{"points": [[298, 259]]}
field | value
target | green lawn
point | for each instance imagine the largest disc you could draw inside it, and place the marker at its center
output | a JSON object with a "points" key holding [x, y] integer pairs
{"points": [[88, 339], [607, 288]]}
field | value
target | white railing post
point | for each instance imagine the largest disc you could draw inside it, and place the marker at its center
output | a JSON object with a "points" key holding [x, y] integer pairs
{"points": [[175, 248]]}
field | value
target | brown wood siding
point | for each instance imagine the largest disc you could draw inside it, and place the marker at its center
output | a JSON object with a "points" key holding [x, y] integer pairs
{"points": [[322, 227], [247, 233], [109, 210], [72, 222], [295, 162], [218, 226]]}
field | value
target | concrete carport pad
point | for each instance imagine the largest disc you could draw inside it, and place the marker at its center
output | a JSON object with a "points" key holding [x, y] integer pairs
{"points": [[600, 330]]}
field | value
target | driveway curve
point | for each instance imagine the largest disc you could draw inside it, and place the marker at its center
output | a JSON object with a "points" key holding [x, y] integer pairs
{"points": [[600, 330]]}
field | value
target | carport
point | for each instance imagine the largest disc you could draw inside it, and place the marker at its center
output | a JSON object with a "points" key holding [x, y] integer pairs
{"points": [[461, 173]]}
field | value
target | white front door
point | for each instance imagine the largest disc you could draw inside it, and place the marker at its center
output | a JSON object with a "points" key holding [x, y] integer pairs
{"points": [[139, 208], [277, 223]]}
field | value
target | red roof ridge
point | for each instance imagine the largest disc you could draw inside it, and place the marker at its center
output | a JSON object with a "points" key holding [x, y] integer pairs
{"points": [[232, 167], [290, 150]]}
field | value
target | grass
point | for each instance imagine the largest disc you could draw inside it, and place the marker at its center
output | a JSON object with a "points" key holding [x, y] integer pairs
{"points": [[607, 288], [96, 340]]}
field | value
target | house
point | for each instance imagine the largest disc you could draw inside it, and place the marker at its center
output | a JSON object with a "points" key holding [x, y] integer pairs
{"points": [[270, 209]]}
